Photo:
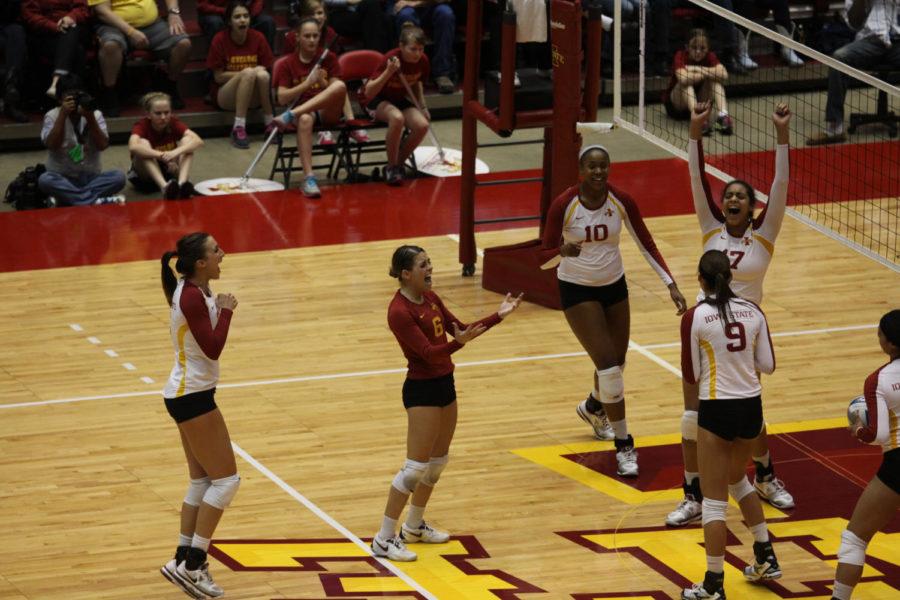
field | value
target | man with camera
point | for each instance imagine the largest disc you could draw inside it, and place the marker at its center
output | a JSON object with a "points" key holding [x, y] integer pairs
{"points": [[75, 135]]}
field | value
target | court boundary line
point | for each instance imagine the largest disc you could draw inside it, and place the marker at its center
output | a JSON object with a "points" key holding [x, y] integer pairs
{"points": [[331, 521], [643, 349]]}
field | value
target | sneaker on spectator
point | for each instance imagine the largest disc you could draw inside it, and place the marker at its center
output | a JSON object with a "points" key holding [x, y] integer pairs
{"points": [[239, 138], [175, 95], [310, 187], [326, 138], [171, 190], [186, 191], [268, 130], [116, 199], [444, 84], [393, 175], [707, 130], [725, 124], [52, 202], [360, 136]]}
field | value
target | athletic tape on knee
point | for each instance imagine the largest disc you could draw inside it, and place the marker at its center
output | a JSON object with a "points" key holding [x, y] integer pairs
{"points": [[611, 384], [222, 491], [435, 467], [714, 510], [196, 489], [740, 489], [689, 425], [852, 550], [409, 476]]}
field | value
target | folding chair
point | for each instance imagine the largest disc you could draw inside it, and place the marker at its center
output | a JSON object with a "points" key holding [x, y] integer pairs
{"points": [[357, 66]]}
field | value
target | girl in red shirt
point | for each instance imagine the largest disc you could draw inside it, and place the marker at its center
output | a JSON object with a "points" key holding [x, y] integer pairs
{"points": [[239, 58], [698, 76], [386, 99], [419, 321], [162, 150], [319, 93]]}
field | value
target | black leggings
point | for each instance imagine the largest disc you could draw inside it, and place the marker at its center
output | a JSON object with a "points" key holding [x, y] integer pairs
{"points": [[64, 49]]}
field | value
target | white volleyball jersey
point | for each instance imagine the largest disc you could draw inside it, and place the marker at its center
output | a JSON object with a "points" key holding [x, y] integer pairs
{"points": [[751, 253], [882, 392], [725, 360], [198, 333], [600, 261]]}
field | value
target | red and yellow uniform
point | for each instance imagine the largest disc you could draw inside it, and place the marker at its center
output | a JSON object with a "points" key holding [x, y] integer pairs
{"points": [[882, 393], [164, 140], [225, 55], [393, 90], [291, 71]]}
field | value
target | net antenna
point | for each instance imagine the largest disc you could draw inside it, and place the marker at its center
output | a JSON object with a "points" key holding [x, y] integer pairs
{"points": [[848, 191]]}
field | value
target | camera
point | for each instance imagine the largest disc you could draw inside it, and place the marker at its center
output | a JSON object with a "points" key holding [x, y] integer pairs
{"points": [[84, 100]]}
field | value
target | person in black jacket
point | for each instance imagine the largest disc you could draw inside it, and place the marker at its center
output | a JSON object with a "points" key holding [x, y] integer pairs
{"points": [[12, 39]]}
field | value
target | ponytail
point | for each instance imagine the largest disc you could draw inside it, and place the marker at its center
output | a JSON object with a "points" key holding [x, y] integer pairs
{"points": [[189, 250], [169, 281], [715, 270]]}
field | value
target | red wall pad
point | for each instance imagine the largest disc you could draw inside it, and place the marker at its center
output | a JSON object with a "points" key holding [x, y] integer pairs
{"points": [[516, 269]]}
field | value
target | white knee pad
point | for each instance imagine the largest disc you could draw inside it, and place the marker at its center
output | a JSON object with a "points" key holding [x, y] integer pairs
{"points": [[714, 510], [409, 476], [740, 489], [435, 467], [196, 490], [221, 491], [852, 550], [611, 384], [689, 425]]}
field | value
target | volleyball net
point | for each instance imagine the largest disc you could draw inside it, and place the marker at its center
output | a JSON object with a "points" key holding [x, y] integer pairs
{"points": [[848, 189]]}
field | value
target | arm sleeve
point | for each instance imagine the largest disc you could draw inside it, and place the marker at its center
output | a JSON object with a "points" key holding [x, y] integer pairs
{"points": [[708, 213], [768, 223], [409, 335], [635, 224], [31, 14], [553, 226], [876, 406], [764, 356], [690, 349], [210, 340]]}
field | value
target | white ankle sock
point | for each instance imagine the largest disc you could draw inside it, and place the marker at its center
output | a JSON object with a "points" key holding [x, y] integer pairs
{"points": [[760, 532], [842, 591], [240, 121], [764, 459], [691, 477], [388, 528], [414, 516], [620, 428], [200, 542], [184, 540], [716, 564]]}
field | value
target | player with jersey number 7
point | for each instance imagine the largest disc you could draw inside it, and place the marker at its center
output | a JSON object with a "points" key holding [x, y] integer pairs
{"points": [[748, 242]]}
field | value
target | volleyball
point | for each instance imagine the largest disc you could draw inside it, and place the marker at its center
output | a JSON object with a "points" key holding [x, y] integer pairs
{"points": [[857, 411]]}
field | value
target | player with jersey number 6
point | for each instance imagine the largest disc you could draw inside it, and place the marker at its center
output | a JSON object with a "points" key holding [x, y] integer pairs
{"points": [[880, 500], [198, 325], [420, 322], [725, 344], [749, 243], [584, 226]]}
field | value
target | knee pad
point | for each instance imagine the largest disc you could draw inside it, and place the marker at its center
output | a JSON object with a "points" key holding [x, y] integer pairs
{"points": [[409, 476], [740, 489], [852, 550], [435, 467], [689, 425], [221, 491], [196, 490], [714, 510], [611, 384]]}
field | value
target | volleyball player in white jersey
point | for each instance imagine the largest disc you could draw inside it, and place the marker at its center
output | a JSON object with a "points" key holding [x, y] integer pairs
{"points": [[199, 326], [880, 500], [584, 225], [725, 343], [749, 243]]}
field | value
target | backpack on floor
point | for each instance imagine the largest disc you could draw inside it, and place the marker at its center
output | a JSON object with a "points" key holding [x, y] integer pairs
{"points": [[23, 192]]}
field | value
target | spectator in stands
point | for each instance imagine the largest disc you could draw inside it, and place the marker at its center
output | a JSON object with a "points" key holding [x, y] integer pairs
{"points": [[362, 19], [127, 25], [328, 38], [439, 14], [212, 18], [782, 14], [56, 30], [877, 43], [314, 91], [698, 76], [162, 150], [12, 40], [75, 135], [386, 99], [240, 58]]}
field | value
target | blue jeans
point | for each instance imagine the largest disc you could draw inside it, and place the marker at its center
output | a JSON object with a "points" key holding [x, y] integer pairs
{"points": [[862, 54], [85, 189], [263, 23], [443, 26]]}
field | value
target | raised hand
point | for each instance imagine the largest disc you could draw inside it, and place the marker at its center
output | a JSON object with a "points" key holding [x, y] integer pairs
{"points": [[469, 333], [699, 117], [226, 301], [509, 304]]}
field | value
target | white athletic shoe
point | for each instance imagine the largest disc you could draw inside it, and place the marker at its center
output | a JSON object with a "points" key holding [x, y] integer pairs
{"points": [[424, 533], [627, 459], [199, 581], [598, 421], [698, 592], [687, 511], [774, 493], [326, 138], [168, 571], [392, 549]]}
